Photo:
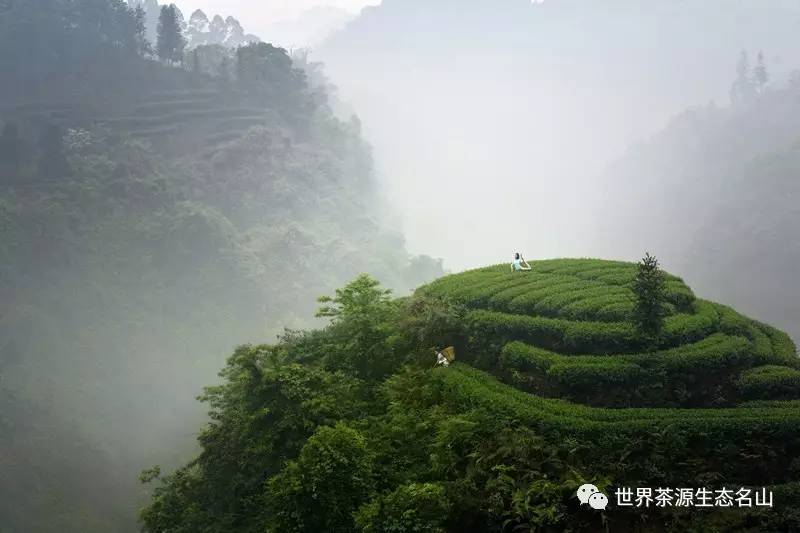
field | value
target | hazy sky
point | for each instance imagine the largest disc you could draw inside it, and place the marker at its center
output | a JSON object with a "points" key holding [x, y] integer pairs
{"points": [[493, 122], [256, 15]]}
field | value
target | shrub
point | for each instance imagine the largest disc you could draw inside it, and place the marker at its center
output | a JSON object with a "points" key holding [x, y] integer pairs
{"points": [[685, 375], [598, 376], [362, 316], [322, 489], [782, 344], [690, 327], [554, 333], [417, 507], [681, 444], [770, 382]]}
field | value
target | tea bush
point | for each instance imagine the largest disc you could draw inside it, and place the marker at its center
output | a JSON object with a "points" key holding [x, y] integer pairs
{"points": [[565, 329]]}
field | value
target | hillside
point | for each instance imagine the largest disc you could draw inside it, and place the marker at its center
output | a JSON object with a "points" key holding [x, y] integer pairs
{"points": [[152, 216], [350, 428], [566, 331]]}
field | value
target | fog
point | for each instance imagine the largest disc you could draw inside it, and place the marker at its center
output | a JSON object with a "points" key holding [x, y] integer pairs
{"points": [[493, 122], [553, 128], [269, 19]]}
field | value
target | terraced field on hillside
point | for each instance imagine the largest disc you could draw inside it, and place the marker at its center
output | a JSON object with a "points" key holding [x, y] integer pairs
{"points": [[556, 349], [204, 117], [173, 119]]}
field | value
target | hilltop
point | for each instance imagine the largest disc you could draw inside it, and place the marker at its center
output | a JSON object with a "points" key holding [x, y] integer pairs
{"points": [[351, 428], [566, 330], [199, 30]]}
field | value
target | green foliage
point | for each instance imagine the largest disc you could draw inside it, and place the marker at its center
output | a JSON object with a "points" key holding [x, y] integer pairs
{"points": [[59, 37], [416, 507], [770, 382], [177, 505], [270, 77], [574, 289], [150, 474], [163, 218], [601, 362], [717, 436], [322, 489], [429, 323], [261, 417], [649, 288], [457, 449], [362, 315], [555, 334]]}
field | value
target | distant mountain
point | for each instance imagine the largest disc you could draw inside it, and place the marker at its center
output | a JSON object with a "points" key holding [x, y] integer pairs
{"points": [[309, 29], [717, 195], [539, 97], [199, 30]]}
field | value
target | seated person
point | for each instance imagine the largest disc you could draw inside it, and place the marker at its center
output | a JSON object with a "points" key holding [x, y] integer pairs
{"points": [[519, 264]]}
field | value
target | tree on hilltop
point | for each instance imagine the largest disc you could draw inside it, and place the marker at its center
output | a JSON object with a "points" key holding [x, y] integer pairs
{"points": [[171, 42], [138, 24], [650, 290], [760, 74], [743, 89]]}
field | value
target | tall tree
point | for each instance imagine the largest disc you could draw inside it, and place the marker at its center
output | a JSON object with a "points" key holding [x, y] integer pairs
{"points": [[139, 21], [743, 89], [650, 290], [760, 73], [171, 42]]}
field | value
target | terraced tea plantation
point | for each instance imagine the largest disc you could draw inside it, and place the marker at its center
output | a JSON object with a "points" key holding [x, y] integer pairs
{"points": [[194, 120], [556, 349], [202, 116]]}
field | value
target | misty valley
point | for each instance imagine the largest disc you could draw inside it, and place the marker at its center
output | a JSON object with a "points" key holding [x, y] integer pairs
{"points": [[410, 265]]}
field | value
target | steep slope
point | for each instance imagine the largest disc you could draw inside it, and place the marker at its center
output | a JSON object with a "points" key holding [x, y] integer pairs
{"points": [[350, 428], [151, 218]]}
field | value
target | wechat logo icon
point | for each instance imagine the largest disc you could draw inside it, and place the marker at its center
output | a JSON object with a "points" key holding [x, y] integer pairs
{"points": [[588, 493]]}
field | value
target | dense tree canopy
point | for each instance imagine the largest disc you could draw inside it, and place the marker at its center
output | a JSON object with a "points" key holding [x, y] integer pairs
{"points": [[171, 42], [150, 219], [300, 442], [44, 40]]}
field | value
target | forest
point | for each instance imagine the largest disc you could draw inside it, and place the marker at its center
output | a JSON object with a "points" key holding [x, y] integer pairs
{"points": [[212, 319], [153, 214]]}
